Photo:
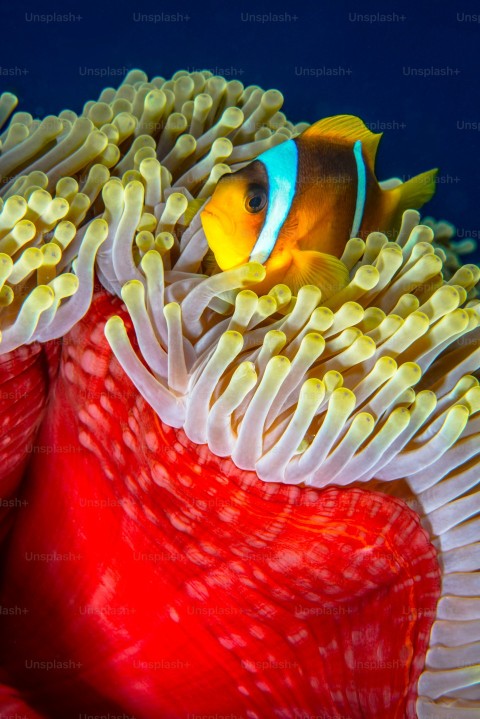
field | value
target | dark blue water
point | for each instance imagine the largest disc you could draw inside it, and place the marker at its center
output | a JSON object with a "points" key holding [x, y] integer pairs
{"points": [[412, 71]]}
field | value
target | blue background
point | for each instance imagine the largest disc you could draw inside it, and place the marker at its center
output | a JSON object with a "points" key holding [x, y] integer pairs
{"points": [[46, 65]]}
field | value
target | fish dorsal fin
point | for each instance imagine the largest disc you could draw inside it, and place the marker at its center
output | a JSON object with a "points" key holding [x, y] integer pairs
{"points": [[347, 128]]}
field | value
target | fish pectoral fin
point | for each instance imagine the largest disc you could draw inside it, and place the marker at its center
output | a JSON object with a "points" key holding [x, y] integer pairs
{"points": [[309, 267], [348, 128], [415, 192]]}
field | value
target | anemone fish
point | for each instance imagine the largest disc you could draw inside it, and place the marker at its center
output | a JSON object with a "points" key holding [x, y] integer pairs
{"points": [[294, 207]]}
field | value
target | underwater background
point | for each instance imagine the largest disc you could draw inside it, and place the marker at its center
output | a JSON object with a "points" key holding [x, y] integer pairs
{"points": [[410, 71]]}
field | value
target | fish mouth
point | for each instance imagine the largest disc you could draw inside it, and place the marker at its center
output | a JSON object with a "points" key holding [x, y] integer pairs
{"points": [[208, 213], [221, 219]]}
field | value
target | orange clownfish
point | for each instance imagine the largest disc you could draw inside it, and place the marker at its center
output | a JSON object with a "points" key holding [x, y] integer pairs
{"points": [[294, 207]]}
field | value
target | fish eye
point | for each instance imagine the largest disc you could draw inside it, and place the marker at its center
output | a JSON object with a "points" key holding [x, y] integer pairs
{"points": [[256, 199]]}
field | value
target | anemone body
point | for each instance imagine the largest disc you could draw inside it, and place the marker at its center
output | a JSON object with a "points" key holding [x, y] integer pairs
{"points": [[205, 590]]}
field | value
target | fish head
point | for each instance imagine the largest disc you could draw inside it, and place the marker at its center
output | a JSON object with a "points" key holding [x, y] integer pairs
{"points": [[234, 216]]}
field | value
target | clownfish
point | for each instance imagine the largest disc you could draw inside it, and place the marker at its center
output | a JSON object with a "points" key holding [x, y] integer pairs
{"points": [[296, 205]]}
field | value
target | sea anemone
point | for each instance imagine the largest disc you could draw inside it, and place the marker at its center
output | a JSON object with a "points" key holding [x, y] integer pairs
{"points": [[310, 462]]}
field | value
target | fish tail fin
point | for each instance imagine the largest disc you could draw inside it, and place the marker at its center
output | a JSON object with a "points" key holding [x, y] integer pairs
{"points": [[309, 267], [415, 192]]}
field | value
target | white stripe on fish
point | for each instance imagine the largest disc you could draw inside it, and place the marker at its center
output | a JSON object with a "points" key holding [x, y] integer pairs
{"points": [[281, 164]]}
